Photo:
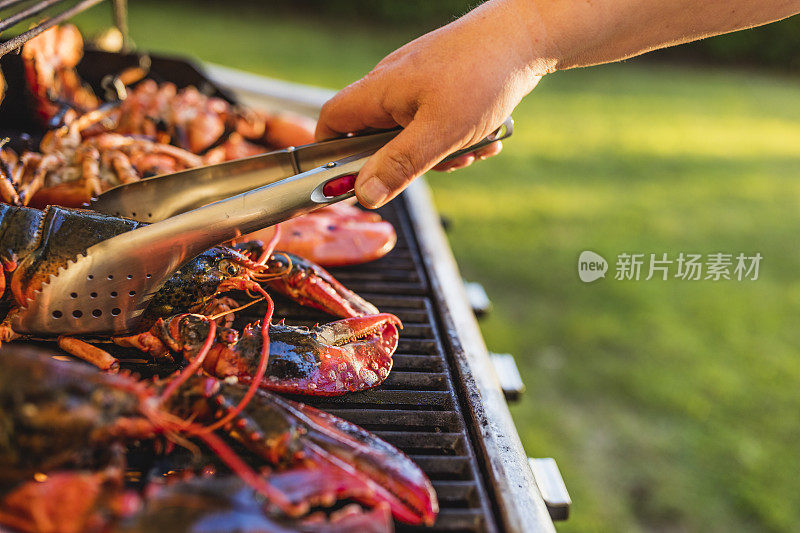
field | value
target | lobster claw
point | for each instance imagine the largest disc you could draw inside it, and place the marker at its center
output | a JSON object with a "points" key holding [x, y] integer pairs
{"points": [[348, 355], [330, 458], [309, 284], [344, 356], [389, 474]]}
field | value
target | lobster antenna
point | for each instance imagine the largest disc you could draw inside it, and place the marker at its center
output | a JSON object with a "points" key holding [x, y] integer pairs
{"points": [[274, 275], [229, 311], [187, 444], [259, 375], [273, 242]]}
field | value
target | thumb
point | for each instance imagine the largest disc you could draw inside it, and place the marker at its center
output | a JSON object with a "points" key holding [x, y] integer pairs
{"points": [[414, 151]]}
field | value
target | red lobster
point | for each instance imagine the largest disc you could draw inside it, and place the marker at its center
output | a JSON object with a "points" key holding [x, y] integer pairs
{"points": [[59, 416], [351, 354]]}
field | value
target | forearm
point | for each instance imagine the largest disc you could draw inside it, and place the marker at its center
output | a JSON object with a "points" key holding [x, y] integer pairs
{"points": [[575, 33]]}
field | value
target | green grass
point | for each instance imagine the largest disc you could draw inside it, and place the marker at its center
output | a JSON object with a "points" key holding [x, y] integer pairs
{"points": [[669, 405]]}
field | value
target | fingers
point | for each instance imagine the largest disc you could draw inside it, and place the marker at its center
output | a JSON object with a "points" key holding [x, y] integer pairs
{"points": [[456, 164], [355, 108], [414, 151], [489, 150], [467, 159]]}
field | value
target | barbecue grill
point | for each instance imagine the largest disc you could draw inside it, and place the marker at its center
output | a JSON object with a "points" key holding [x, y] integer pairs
{"points": [[442, 404]]}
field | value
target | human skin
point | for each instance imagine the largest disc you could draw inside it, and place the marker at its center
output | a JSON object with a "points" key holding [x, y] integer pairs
{"points": [[452, 87]]}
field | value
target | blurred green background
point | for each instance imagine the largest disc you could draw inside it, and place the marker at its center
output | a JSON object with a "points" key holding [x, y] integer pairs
{"points": [[669, 405]]}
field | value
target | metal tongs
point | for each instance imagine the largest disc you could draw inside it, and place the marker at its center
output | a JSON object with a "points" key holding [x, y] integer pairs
{"points": [[107, 289]]}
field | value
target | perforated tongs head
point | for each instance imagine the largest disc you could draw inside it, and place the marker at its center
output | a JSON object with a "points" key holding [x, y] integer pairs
{"points": [[107, 289]]}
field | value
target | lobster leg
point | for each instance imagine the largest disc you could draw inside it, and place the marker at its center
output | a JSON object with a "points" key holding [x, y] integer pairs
{"points": [[8, 189], [47, 164], [146, 342], [89, 353], [89, 158], [222, 307], [7, 333], [122, 167]]}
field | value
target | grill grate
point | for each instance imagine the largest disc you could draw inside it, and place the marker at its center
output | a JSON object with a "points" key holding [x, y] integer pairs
{"points": [[417, 408]]}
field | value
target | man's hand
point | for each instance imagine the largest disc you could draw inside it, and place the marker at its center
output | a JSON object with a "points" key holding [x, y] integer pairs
{"points": [[454, 86], [448, 89]]}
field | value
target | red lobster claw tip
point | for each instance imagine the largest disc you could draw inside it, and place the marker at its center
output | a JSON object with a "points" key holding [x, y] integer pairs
{"points": [[386, 475], [343, 332], [350, 355]]}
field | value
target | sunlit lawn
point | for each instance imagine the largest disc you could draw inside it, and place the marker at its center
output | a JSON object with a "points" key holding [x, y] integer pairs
{"points": [[669, 405]]}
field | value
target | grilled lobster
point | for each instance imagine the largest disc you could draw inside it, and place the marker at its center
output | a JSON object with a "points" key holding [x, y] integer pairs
{"points": [[344, 356], [58, 417], [35, 244]]}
